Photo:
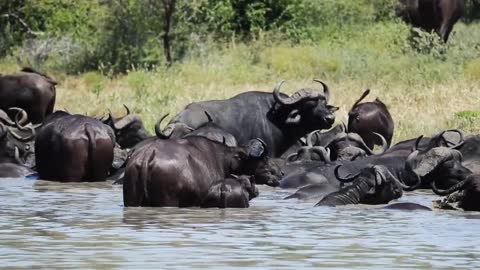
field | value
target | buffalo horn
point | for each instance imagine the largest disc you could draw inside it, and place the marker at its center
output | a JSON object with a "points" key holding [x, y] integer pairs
{"points": [[325, 153], [452, 189], [454, 146], [417, 142], [209, 117], [344, 179], [22, 138], [384, 142], [127, 109], [326, 89], [17, 156], [4, 117], [3, 131], [158, 129], [309, 137], [23, 113]]}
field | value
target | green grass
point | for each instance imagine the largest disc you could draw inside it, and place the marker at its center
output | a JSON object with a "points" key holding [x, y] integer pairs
{"points": [[425, 92]]}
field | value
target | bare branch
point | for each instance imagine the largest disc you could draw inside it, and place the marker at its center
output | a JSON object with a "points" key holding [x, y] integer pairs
{"points": [[23, 23]]}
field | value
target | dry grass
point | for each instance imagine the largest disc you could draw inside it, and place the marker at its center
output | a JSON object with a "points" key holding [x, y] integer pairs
{"points": [[423, 110]]}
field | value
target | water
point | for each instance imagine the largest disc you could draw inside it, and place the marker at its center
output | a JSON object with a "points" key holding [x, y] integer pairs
{"points": [[71, 226]]}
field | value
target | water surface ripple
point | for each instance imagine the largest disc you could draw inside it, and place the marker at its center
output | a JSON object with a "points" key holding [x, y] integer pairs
{"points": [[71, 226]]}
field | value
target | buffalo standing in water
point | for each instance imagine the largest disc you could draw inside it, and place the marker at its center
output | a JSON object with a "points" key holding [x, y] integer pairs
{"points": [[30, 90], [432, 15], [368, 118], [179, 172], [276, 118], [74, 148]]}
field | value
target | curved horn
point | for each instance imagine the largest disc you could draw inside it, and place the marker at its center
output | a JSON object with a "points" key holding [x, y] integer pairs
{"points": [[17, 156], [460, 143], [417, 142], [452, 189], [24, 118], [127, 109], [3, 131], [326, 89], [384, 142], [158, 129], [357, 138], [344, 179], [209, 117], [404, 186], [325, 153], [309, 137], [292, 157], [21, 138], [276, 94], [4, 117]]}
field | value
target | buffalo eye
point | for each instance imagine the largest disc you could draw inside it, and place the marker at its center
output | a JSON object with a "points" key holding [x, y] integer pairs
{"points": [[27, 147]]}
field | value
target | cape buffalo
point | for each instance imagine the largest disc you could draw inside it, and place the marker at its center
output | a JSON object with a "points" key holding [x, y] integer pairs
{"points": [[369, 117], [235, 192], [276, 118], [319, 181], [30, 90], [372, 185], [179, 172], [16, 141], [72, 148], [467, 196], [438, 165], [432, 15]]}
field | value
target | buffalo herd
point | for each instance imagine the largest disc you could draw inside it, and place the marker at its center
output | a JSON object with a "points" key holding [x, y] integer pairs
{"points": [[214, 153]]}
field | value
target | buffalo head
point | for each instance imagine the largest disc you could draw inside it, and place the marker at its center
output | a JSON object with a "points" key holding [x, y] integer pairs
{"points": [[234, 192], [309, 152], [129, 129], [253, 159], [438, 165], [307, 109], [372, 185], [17, 142], [350, 146]]}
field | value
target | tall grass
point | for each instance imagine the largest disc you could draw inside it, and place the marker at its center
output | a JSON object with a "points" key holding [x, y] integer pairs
{"points": [[426, 87]]}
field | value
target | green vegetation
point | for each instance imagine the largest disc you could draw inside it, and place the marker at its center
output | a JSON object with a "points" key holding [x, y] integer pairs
{"points": [[111, 52]]}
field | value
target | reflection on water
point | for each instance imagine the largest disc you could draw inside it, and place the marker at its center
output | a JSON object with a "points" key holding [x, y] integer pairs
{"points": [[54, 225]]}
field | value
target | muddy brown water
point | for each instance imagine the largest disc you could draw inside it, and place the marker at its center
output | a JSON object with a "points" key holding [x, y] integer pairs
{"points": [[79, 226]]}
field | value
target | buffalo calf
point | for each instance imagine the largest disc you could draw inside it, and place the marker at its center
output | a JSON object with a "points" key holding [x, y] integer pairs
{"points": [[233, 192]]}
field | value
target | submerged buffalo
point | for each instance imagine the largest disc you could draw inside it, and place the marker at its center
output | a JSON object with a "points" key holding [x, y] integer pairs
{"points": [[432, 15], [179, 172], [30, 90], [234, 192], [276, 118], [74, 148], [372, 185]]}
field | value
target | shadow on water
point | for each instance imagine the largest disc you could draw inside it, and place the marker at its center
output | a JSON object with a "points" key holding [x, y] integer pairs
{"points": [[84, 225]]}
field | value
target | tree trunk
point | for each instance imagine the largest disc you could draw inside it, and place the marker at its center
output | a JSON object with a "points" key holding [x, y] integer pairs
{"points": [[169, 9]]}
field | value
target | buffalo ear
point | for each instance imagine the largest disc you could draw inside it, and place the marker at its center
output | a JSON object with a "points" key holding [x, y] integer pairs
{"points": [[293, 117], [256, 148]]}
